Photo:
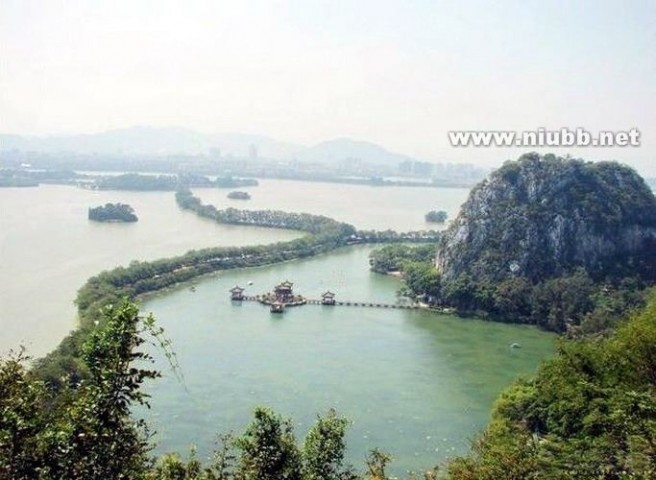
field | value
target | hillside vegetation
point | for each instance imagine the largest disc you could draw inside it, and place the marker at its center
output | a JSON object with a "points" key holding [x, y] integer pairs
{"points": [[556, 242], [544, 217], [590, 413]]}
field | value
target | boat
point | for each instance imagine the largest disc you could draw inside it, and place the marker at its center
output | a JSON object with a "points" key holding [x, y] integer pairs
{"points": [[277, 307]]}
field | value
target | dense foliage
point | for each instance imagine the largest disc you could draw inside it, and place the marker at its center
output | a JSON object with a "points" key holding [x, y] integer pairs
{"points": [[573, 303], [544, 217], [232, 182], [84, 432], [560, 243], [421, 278], [135, 181], [113, 212], [391, 258], [436, 216], [590, 413], [391, 236]]}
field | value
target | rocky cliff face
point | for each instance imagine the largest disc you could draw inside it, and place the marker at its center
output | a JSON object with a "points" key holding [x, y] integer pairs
{"points": [[541, 217]]}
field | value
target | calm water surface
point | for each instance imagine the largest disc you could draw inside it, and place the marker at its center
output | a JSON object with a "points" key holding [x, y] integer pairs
{"points": [[413, 382], [48, 249], [380, 208]]}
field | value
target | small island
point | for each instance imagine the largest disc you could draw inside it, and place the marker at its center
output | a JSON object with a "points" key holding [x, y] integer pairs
{"points": [[436, 216], [113, 212], [238, 195]]}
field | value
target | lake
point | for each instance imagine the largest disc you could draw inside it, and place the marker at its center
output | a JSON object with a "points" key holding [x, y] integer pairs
{"points": [[415, 383], [365, 207], [48, 247]]}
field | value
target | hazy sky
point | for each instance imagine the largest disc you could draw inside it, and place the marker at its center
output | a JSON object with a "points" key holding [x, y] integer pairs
{"points": [[399, 73]]}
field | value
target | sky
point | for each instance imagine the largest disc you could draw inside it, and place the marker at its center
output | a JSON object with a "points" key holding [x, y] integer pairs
{"points": [[398, 73]]}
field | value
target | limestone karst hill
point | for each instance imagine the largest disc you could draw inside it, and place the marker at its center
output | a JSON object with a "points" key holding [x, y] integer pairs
{"points": [[542, 217]]}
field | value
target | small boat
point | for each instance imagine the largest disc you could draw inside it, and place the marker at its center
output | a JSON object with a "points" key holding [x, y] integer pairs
{"points": [[277, 307]]}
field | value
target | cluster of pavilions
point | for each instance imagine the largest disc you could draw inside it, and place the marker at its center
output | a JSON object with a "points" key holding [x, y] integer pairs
{"points": [[281, 297]]}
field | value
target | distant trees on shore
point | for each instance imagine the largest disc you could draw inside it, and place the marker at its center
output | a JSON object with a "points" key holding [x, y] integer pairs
{"points": [[139, 182]]}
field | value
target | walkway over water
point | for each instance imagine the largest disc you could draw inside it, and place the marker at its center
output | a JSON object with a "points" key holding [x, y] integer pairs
{"points": [[344, 303]]}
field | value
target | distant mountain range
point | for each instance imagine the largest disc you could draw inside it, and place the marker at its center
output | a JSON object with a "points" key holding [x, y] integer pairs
{"points": [[175, 141], [345, 149]]}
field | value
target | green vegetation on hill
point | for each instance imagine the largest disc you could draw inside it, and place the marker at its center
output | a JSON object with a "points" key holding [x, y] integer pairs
{"points": [[392, 258], [113, 212], [84, 432], [544, 217], [590, 413], [564, 244], [421, 279]]}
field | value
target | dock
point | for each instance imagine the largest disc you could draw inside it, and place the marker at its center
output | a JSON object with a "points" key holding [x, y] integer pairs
{"points": [[341, 303], [283, 297]]}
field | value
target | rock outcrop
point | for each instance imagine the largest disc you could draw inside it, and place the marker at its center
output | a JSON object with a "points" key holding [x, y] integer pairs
{"points": [[541, 217]]}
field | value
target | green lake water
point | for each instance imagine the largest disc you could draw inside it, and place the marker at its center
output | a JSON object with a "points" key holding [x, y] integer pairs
{"points": [[415, 383]]}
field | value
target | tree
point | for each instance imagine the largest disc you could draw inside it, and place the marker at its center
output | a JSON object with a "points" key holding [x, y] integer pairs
{"points": [[324, 448], [377, 462], [96, 436], [113, 212], [83, 431], [436, 216], [422, 279], [22, 421], [268, 449]]}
